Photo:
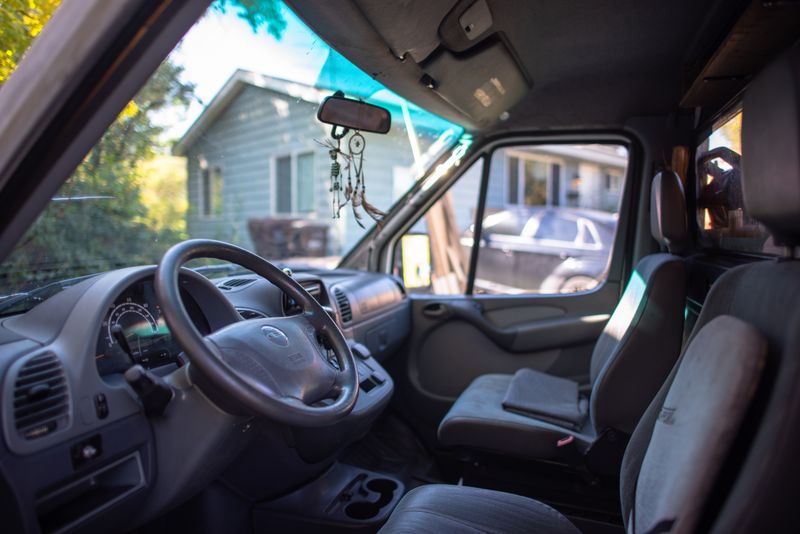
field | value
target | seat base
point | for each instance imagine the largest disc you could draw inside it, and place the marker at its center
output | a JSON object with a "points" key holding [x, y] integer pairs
{"points": [[438, 508], [477, 420]]}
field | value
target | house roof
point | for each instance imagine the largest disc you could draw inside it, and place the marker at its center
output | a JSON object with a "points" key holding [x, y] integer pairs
{"points": [[238, 81], [421, 119]]}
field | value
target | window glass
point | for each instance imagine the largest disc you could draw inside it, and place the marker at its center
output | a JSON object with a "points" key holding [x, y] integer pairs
{"points": [[222, 142], [721, 215], [283, 185], [535, 182], [513, 180], [558, 227], [566, 190], [210, 191], [433, 255], [305, 182]]}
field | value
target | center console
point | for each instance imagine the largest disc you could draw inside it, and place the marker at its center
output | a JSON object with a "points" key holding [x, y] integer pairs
{"points": [[346, 497]]}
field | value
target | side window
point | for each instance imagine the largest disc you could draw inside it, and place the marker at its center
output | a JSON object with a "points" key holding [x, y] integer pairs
{"points": [[555, 226], [433, 255], [568, 198], [721, 215]]}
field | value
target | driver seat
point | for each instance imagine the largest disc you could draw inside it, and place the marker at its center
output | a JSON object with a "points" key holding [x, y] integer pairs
{"points": [[716, 449]]}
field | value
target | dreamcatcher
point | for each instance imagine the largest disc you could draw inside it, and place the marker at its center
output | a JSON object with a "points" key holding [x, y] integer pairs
{"points": [[353, 158]]}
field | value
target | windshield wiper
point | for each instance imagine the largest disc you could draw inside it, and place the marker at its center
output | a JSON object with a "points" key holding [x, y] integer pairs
{"points": [[24, 301]]}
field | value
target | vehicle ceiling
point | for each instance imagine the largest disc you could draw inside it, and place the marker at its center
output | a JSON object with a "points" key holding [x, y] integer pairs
{"points": [[590, 64]]}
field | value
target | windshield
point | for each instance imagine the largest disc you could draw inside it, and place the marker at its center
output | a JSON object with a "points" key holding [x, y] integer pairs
{"points": [[223, 143]]}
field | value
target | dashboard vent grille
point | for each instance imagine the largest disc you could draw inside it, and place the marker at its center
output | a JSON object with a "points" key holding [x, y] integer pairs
{"points": [[41, 397], [343, 303], [250, 314], [235, 282]]}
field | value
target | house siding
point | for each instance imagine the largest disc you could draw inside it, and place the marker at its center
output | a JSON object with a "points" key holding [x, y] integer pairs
{"points": [[260, 125]]}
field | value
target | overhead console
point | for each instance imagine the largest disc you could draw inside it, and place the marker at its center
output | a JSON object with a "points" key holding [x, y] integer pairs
{"points": [[454, 60]]}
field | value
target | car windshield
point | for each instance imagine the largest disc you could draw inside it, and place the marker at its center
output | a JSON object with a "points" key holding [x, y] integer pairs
{"points": [[223, 142]]}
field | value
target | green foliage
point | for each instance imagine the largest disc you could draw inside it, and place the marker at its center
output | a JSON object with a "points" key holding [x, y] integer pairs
{"points": [[258, 14], [98, 220], [126, 203], [20, 22]]}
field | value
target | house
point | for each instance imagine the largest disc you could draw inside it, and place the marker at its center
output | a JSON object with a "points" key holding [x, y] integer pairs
{"points": [[255, 152], [585, 176]]}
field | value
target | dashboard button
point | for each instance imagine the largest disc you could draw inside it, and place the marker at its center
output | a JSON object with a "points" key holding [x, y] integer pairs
{"points": [[101, 406], [86, 450]]}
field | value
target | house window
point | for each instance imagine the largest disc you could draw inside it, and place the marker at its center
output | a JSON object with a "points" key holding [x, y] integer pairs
{"points": [[613, 181], [294, 184], [513, 181], [283, 185], [305, 182], [211, 192], [528, 180]]}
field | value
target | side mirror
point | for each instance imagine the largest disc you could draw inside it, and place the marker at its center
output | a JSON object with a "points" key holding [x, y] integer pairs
{"points": [[354, 114], [415, 250]]}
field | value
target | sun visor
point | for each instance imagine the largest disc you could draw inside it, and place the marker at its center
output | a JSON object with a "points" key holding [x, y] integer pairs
{"points": [[482, 84]]}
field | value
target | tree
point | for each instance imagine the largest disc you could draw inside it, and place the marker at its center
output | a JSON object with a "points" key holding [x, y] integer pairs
{"points": [[258, 13], [20, 22], [98, 220], [117, 208]]}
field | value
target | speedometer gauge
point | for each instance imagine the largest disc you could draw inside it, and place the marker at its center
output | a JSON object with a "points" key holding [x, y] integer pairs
{"points": [[137, 317], [138, 325]]}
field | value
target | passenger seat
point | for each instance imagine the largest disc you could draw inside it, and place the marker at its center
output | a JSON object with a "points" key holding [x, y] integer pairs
{"points": [[526, 414]]}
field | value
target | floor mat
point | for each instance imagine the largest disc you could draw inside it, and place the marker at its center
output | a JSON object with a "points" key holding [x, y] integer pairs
{"points": [[391, 447]]}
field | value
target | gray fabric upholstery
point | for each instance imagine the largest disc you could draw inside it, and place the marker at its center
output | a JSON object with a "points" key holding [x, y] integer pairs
{"points": [[640, 343], [771, 148], [761, 488], [478, 420], [546, 397], [697, 424], [440, 509], [633, 356], [764, 295], [668, 222]]}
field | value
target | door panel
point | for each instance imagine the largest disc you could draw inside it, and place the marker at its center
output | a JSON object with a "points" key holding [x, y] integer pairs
{"points": [[528, 254], [455, 339]]}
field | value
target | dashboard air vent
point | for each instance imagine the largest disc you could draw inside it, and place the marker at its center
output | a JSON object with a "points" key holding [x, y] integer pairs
{"points": [[247, 313], [343, 303], [232, 283], [41, 397]]}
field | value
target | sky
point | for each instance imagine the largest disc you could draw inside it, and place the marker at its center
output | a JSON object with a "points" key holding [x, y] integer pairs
{"points": [[219, 43]]}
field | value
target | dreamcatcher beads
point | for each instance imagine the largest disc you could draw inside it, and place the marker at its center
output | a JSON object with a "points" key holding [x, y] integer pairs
{"points": [[336, 182]]}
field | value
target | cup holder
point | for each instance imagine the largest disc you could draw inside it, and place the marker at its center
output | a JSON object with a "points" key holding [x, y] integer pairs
{"points": [[378, 492], [361, 510], [385, 488]]}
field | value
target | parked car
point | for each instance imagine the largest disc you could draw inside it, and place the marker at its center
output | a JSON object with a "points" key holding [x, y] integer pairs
{"points": [[543, 248]]}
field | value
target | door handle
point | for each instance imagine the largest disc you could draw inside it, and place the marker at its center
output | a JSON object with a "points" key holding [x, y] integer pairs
{"points": [[436, 310]]}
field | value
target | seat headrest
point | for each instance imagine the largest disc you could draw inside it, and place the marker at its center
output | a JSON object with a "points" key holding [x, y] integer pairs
{"points": [[668, 222], [771, 148]]}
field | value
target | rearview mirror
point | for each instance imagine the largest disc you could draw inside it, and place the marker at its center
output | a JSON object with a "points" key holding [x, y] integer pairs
{"points": [[354, 114]]}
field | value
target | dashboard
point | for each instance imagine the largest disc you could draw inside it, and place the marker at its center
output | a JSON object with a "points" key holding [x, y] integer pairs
{"points": [[78, 447]]}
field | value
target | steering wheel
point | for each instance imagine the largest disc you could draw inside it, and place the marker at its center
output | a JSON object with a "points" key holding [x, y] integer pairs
{"points": [[276, 367]]}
